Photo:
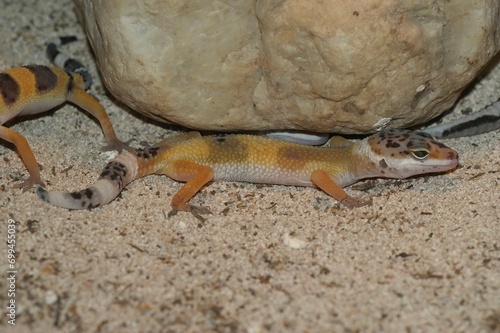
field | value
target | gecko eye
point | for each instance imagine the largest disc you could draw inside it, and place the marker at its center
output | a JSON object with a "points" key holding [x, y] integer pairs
{"points": [[420, 154]]}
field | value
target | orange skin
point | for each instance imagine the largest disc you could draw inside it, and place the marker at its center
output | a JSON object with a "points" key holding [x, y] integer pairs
{"points": [[35, 89]]}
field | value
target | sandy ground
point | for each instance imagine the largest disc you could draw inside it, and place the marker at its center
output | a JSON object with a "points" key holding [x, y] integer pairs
{"points": [[424, 258]]}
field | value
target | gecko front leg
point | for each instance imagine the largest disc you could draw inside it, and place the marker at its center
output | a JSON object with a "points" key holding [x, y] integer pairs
{"points": [[325, 182]]}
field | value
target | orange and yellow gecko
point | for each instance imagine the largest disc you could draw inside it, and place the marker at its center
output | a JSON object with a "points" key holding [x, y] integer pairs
{"points": [[198, 160], [33, 89]]}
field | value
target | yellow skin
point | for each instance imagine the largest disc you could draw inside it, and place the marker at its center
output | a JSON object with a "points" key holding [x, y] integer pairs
{"points": [[197, 160], [35, 89]]}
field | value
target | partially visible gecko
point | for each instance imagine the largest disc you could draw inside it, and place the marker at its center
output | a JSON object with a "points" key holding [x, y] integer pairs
{"points": [[198, 160], [35, 89], [483, 121]]}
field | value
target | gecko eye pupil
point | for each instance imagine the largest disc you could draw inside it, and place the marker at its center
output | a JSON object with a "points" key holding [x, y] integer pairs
{"points": [[420, 154]]}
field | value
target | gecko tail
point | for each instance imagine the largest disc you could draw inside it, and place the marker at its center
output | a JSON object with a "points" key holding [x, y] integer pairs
{"points": [[64, 61], [101, 193], [483, 121], [109, 185]]}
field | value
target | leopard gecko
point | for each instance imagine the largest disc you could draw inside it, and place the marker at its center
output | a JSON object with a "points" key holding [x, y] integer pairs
{"points": [[197, 160], [33, 89]]}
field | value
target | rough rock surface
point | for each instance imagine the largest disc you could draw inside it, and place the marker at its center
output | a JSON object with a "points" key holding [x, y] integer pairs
{"points": [[324, 66]]}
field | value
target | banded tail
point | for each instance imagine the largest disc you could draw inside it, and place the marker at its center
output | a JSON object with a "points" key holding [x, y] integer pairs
{"points": [[483, 121], [118, 173], [64, 61]]}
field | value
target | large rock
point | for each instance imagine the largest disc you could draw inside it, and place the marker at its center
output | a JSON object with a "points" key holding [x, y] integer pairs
{"points": [[325, 66]]}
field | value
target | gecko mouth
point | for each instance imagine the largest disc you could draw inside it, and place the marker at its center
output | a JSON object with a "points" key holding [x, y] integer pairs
{"points": [[436, 166]]}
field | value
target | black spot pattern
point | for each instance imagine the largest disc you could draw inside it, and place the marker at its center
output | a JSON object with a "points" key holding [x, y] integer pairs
{"points": [[392, 144], [45, 78], [115, 172], [71, 82], [85, 198], [147, 152], [42, 194], [76, 195], [220, 140], [9, 88], [88, 193]]}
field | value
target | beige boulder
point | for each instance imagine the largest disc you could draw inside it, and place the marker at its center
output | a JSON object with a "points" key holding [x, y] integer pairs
{"points": [[318, 65]]}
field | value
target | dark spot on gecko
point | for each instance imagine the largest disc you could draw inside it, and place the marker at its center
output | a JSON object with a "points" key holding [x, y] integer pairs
{"points": [[71, 81], [10, 89], [383, 163], [113, 168], [88, 193], [147, 152], [233, 147], [42, 194], [76, 195], [45, 78], [392, 144], [153, 151], [74, 66], [404, 137], [115, 172], [140, 153]]}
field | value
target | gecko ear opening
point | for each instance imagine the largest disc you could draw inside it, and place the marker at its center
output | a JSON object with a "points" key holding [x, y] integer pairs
{"points": [[383, 163]]}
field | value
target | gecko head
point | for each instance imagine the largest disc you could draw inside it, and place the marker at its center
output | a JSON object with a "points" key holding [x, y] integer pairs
{"points": [[403, 153]]}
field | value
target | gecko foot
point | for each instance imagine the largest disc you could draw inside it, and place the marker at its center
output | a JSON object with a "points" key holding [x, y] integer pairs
{"points": [[195, 210], [28, 183], [351, 202], [117, 145]]}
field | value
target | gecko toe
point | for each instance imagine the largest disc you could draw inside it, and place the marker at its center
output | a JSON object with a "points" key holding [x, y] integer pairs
{"points": [[351, 202], [118, 146], [28, 183]]}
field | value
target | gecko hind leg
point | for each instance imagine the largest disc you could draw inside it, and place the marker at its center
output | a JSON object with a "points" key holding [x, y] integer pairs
{"points": [[196, 176], [24, 150]]}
